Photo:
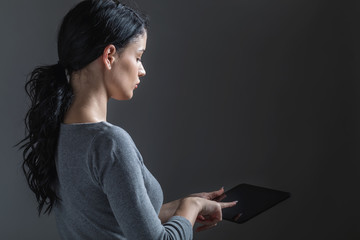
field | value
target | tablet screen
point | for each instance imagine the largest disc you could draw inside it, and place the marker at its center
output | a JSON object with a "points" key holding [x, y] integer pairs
{"points": [[252, 200]]}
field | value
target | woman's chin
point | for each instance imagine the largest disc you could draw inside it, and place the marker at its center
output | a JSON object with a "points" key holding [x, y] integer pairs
{"points": [[124, 97]]}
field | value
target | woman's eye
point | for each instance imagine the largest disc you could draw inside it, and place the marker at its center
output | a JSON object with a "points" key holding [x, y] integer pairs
{"points": [[138, 59]]}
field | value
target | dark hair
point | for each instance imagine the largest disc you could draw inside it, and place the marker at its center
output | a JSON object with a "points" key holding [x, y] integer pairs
{"points": [[85, 32]]}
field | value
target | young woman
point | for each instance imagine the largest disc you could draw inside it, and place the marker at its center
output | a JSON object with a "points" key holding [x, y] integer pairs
{"points": [[83, 167]]}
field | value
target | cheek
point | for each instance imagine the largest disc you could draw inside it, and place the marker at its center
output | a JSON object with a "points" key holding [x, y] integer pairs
{"points": [[129, 69], [134, 69]]}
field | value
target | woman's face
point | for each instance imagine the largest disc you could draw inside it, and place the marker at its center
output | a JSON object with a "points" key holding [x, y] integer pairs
{"points": [[127, 69]]}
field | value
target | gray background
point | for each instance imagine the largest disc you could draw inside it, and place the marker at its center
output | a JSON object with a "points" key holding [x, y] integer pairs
{"points": [[263, 92]]}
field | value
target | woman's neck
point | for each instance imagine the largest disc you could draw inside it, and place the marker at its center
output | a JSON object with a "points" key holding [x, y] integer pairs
{"points": [[90, 98]]}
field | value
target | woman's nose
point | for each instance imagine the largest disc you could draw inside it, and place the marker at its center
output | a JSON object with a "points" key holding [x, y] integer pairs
{"points": [[142, 71]]}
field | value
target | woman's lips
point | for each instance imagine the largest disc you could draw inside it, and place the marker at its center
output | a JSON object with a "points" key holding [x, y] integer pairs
{"points": [[136, 86]]}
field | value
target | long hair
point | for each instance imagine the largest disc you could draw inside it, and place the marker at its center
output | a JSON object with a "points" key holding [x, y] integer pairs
{"points": [[84, 33]]}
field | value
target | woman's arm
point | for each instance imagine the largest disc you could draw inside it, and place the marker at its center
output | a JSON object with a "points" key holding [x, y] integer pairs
{"points": [[121, 172], [168, 209]]}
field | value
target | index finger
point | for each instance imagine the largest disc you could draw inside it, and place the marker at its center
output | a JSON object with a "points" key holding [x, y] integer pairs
{"points": [[227, 204]]}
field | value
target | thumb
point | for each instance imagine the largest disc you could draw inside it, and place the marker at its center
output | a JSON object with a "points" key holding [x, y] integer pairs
{"points": [[216, 193]]}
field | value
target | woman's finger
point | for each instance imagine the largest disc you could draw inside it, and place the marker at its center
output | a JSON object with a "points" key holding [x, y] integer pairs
{"points": [[216, 193], [220, 198], [228, 204], [200, 218]]}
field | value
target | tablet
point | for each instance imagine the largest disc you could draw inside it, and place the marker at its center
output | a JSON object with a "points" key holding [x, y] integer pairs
{"points": [[252, 200]]}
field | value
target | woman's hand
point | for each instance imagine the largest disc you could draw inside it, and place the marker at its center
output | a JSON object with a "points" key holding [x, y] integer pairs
{"points": [[191, 207], [211, 213], [215, 195], [168, 209], [209, 195]]}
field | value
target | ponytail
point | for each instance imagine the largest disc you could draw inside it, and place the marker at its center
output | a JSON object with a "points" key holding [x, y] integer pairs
{"points": [[50, 94]]}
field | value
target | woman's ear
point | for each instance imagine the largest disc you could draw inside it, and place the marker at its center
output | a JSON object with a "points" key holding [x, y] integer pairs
{"points": [[108, 56]]}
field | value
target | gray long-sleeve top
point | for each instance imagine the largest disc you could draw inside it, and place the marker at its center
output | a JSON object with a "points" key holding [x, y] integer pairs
{"points": [[106, 190]]}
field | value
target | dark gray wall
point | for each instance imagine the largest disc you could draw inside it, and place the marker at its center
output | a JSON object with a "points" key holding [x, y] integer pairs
{"points": [[263, 92]]}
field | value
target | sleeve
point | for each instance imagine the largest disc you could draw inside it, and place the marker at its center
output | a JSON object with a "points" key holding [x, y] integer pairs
{"points": [[119, 173]]}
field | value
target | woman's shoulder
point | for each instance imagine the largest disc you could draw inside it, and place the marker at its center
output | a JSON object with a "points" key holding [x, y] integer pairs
{"points": [[113, 144], [111, 152], [96, 130], [110, 134]]}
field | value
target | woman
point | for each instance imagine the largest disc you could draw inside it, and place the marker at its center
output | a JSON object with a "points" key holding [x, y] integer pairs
{"points": [[86, 169]]}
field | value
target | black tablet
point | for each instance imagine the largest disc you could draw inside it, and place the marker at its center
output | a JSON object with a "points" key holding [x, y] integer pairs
{"points": [[252, 201]]}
